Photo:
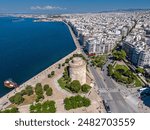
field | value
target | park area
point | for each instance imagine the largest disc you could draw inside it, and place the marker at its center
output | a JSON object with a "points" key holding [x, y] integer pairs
{"points": [[98, 61], [122, 74]]}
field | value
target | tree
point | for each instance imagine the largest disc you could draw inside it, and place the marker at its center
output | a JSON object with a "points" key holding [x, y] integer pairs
{"points": [[39, 92], [74, 102], [12, 110], [140, 70], [86, 102], [63, 64], [130, 80], [38, 89], [85, 88], [99, 61], [75, 86], [16, 99], [49, 75], [67, 61], [128, 73], [123, 54], [40, 96], [46, 107], [119, 55], [67, 103], [53, 73], [117, 75], [32, 107], [79, 100], [29, 90], [59, 66], [46, 87], [110, 70], [49, 92], [23, 92]]}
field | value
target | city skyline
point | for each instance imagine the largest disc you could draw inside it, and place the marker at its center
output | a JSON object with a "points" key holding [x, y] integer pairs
{"points": [[73, 6]]}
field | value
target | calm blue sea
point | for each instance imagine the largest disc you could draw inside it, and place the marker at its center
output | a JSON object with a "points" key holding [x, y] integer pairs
{"points": [[27, 48]]}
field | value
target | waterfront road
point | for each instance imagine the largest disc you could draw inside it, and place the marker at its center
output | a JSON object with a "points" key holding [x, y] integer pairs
{"points": [[107, 89]]}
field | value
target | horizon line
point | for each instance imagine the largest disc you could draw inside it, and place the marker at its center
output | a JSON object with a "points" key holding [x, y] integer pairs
{"points": [[103, 11]]}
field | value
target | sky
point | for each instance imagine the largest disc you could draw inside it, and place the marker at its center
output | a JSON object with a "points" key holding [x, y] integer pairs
{"points": [[69, 6]]}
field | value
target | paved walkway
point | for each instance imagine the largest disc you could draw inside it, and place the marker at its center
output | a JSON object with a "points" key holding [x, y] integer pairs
{"points": [[4, 101], [58, 94]]}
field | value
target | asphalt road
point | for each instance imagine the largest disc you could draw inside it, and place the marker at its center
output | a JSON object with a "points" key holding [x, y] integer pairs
{"points": [[109, 91]]}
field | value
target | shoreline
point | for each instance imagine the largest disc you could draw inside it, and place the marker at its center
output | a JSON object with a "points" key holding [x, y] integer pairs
{"points": [[4, 100]]}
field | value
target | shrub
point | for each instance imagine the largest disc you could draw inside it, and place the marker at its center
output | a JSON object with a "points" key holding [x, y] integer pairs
{"points": [[49, 92], [67, 61], [119, 55], [12, 110], [75, 86], [29, 90], [46, 87], [76, 102], [40, 97], [38, 89], [39, 92], [59, 66], [86, 102], [110, 70], [53, 73], [49, 76], [23, 92], [16, 99], [85, 88], [140, 70], [46, 107], [63, 64]]}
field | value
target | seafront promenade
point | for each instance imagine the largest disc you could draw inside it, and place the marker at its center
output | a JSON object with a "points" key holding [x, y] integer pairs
{"points": [[74, 37], [4, 101]]}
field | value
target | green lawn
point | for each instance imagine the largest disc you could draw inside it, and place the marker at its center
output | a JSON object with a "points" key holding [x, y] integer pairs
{"points": [[123, 67], [137, 82], [62, 83]]}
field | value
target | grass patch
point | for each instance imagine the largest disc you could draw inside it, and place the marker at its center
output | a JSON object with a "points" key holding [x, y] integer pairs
{"points": [[12, 105], [121, 67], [28, 100], [138, 82], [62, 83], [121, 73]]}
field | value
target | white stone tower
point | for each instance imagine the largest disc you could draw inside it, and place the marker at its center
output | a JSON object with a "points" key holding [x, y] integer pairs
{"points": [[77, 70]]}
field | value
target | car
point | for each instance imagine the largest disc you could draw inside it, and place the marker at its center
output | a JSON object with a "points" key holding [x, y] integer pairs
{"points": [[106, 106]]}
